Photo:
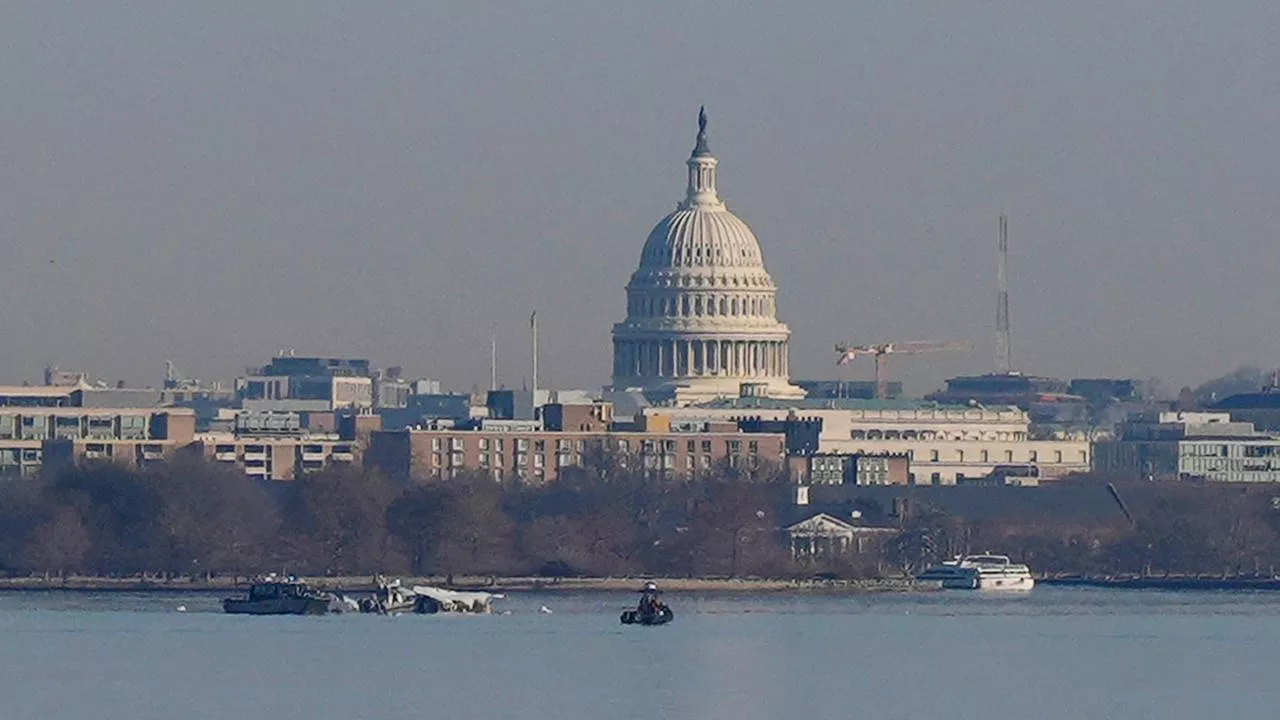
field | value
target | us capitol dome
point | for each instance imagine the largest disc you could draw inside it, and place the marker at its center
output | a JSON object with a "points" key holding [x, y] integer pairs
{"points": [[701, 308]]}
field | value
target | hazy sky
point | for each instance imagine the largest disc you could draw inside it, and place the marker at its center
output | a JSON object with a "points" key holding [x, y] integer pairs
{"points": [[212, 182]]}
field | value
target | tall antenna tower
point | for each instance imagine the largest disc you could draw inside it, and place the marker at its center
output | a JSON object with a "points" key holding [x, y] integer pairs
{"points": [[1003, 351], [493, 362], [533, 329]]}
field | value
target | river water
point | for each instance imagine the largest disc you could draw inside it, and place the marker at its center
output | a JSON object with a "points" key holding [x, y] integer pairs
{"points": [[1051, 654]]}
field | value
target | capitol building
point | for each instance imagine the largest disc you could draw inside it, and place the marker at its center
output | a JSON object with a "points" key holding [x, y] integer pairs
{"points": [[701, 308]]}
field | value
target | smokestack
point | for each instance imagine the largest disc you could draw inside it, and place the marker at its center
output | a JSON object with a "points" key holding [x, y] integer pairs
{"points": [[1003, 351]]}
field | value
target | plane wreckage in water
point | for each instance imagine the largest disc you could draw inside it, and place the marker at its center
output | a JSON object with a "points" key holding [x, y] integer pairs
{"points": [[390, 597], [275, 596]]}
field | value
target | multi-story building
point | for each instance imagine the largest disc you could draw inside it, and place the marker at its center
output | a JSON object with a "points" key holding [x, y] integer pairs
{"points": [[307, 385], [536, 455], [1205, 446], [277, 458], [33, 438], [945, 444]]}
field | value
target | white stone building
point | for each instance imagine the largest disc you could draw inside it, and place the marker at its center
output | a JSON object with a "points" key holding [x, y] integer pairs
{"points": [[701, 308], [945, 444]]}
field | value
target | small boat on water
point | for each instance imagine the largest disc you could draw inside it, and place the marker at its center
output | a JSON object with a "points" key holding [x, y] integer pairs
{"points": [[650, 611], [275, 596], [981, 572]]}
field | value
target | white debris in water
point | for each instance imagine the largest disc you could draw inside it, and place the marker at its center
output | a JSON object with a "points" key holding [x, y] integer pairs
{"points": [[182, 608], [544, 610]]}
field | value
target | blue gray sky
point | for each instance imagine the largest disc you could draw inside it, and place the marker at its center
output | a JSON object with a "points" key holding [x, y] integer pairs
{"points": [[213, 182]]}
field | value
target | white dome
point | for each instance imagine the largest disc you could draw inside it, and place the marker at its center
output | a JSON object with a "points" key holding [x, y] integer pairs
{"points": [[698, 237], [701, 307]]}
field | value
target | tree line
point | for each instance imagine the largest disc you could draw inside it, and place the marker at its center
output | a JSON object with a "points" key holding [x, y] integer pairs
{"points": [[190, 517]]}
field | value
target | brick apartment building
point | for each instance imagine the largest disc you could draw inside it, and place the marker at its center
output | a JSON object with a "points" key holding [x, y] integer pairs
{"points": [[538, 455]]}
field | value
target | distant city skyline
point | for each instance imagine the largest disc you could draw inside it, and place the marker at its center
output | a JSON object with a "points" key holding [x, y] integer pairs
{"points": [[210, 185]]}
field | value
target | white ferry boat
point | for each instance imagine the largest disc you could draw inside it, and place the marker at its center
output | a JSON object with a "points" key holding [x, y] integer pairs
{"points": [[981, 572]]}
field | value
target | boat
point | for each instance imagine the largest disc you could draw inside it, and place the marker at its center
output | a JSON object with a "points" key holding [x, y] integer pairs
{"points": [[980, 572], [274, 596], [650, 611]]}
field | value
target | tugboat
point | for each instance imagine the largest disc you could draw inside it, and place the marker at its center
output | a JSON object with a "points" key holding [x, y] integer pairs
{"points": [[650, 611], [273, 596]]}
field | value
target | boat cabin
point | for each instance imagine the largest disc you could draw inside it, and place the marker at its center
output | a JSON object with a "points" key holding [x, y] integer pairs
{"points": [[277, 589]]}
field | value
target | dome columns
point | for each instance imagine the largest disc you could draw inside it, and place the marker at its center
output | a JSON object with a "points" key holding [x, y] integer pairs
{"points": [[676, 359]]}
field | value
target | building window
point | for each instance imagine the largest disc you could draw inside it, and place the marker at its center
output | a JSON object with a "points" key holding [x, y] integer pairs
{"points": [[1008, 456], [539, 460], [1032, 456], [960, 455], [933, 456], [706, 446], [1057, 456], [935, 478], [692, 446], [539, 445], [484, 443], [984, 456]]}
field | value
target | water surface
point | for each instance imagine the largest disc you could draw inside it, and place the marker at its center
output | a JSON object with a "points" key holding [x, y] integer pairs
{"points": [[1051, 654]]}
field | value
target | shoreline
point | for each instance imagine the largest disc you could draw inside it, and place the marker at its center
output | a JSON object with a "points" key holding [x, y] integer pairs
{"points": [[362, 584]]}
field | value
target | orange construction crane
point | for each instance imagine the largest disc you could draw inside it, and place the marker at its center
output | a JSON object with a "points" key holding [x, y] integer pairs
{"points": [[880, 351]]}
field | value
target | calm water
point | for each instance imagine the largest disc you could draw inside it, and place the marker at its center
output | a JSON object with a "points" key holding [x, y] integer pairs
{"points": [[1051, 654]]}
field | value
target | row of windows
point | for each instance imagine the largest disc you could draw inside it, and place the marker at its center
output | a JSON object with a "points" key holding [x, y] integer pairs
{"points": [[954, 435], [41, 427], [1218, 450], [986, 456], [486, 444], [562, 460], [698, 306]]}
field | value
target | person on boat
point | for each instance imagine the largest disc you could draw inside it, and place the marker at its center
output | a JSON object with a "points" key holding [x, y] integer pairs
{"points": [[649, 603]]}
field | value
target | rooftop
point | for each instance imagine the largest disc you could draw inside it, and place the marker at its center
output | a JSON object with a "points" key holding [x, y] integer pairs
{"points": [[762, 403]]}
